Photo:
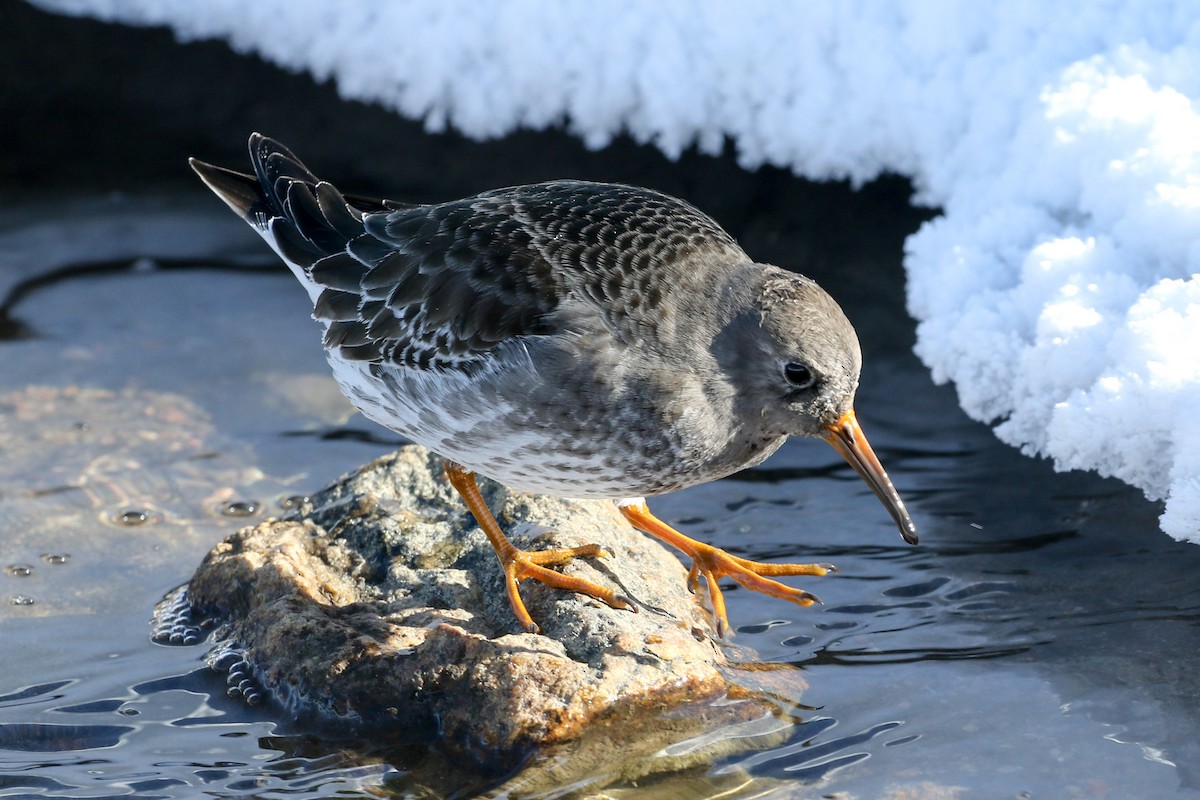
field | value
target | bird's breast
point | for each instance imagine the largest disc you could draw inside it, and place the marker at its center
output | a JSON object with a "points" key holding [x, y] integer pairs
{"points": [[541, 420]]}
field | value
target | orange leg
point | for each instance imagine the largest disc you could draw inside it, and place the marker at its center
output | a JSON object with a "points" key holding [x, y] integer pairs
{"points": [[519, 564], [713, 563]]}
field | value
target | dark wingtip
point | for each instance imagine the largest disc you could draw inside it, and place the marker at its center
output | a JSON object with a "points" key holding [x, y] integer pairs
{"points": [[240, 191], [272, 160]]}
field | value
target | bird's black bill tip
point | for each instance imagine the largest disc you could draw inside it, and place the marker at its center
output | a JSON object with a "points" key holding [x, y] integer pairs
{"points": [[848, 439]]}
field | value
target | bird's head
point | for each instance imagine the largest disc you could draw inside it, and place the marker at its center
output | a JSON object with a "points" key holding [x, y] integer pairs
{"points": [[798, 359]]}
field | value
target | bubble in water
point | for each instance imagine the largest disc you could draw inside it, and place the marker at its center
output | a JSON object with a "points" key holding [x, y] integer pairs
{"points": [[19, 570], [292, 502], [225, 661], [240, 508], [21, 600], [133, 517], [173, 620], [56, 559]]}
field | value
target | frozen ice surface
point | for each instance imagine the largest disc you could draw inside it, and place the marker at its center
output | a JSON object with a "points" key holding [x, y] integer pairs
{"points": [[1060, 289]]}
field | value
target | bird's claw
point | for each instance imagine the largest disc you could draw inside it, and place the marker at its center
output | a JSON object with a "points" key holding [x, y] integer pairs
{"points": [[713, 563]]}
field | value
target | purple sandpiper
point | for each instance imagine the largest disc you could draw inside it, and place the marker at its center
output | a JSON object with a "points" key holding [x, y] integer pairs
{"points": [[577, 339]]}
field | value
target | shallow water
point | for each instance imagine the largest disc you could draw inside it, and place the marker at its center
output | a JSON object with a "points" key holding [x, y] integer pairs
{"points": [[1039, 642]]}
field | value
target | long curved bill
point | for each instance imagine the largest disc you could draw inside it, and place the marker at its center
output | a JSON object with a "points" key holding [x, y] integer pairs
{"points": [[849, 440]]}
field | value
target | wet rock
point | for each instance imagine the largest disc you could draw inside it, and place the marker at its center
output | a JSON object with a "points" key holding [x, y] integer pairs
{"points": [[383, 608]]}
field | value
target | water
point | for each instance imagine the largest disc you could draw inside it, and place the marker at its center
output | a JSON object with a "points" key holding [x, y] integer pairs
{"points": [[1040, 642]]}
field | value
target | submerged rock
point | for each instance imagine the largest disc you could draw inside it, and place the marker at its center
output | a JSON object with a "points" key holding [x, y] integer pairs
{"points": [[382, 608]]}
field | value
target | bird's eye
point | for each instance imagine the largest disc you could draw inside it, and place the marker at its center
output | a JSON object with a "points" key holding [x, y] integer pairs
{"points": [[799, 375]]}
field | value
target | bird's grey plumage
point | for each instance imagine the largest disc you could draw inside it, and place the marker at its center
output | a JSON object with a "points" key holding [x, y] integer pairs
{"points": [[571, 338], [575, 338]]}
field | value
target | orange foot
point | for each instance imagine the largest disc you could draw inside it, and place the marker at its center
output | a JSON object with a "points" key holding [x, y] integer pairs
{"points": [[521, 564], [713, 563]]}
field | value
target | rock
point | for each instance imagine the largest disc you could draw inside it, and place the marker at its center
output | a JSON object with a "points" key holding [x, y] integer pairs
{"points": [[383, 608]]}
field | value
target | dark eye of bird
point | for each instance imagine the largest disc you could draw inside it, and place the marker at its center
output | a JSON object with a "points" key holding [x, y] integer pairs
{"points": [[799, 375]]}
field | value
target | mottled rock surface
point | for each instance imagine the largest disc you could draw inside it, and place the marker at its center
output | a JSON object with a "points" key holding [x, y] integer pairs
{"points": [[382, 607]]}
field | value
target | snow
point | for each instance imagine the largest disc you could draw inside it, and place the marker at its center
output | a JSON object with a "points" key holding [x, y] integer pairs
{"points": [[1060, 288]]}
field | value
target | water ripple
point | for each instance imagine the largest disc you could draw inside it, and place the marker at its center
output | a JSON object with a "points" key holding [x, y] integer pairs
{"points": [[806, 757], [36, 737]]}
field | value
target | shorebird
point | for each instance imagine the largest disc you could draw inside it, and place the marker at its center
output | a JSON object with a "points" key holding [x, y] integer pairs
{"points": [[578, 339]]}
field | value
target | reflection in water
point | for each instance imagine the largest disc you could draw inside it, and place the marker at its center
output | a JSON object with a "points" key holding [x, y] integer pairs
{"points": [[811, 757], [35, 737]]}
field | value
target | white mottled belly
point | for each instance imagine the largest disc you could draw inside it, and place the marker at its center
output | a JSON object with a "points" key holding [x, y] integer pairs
{"points": [[465, 418]]}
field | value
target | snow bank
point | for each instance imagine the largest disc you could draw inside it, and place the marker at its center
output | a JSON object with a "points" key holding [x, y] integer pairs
{"points": [[1060, 290]]}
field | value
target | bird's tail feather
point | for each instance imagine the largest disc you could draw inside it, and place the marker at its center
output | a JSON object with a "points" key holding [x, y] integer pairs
{"points": [[315, 228], [280, 201], [304, 219]]}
